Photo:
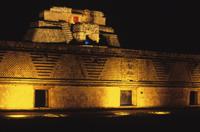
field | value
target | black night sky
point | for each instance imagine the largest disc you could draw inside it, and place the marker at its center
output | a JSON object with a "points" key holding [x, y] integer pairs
{"points": [[165, 25]]}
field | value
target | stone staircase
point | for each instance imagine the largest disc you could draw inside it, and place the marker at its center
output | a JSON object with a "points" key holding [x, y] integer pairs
{"points": [[67, 32]]}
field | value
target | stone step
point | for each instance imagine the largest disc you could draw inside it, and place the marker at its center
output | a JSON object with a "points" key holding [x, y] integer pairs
{"points": [[67, 32]]}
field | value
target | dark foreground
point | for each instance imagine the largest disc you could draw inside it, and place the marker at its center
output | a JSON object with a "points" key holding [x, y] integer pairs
{"points": [[101, 121]]}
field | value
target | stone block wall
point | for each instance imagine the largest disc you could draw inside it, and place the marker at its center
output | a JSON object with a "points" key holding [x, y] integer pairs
{"points": [[16, 96], [81, 79], [74, 66], [84, 97], [162, 97]]}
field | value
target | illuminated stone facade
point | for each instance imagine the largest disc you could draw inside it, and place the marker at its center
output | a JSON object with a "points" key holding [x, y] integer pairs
{"points": [[50, 72], [95, 77]]}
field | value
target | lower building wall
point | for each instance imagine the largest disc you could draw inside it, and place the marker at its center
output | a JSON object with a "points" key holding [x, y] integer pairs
{"points": [[16, 96], [66, 97], [162, 97], [84, 97]]}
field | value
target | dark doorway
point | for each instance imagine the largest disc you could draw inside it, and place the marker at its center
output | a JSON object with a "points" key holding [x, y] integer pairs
{"points": [[126, 97], [41, 98], [193, 98]]}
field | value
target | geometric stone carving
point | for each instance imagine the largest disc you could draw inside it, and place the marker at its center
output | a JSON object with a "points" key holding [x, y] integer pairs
{"points": [[2, 53], [162, 68], [195, 71], [45, 63], [93, 66]]}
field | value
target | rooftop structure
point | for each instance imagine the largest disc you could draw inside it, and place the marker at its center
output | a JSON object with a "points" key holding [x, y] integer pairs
{"points": [[67, 25]]}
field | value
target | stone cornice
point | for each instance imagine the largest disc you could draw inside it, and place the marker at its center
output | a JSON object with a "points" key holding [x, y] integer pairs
{"points": [[95, 50], [87, 82]]}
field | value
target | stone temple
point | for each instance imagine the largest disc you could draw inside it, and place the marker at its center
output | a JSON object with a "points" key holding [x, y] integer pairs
{"points": [[70, 59]]}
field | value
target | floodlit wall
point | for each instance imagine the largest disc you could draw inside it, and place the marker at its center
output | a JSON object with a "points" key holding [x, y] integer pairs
{"points": [[16, 96], [84, 97], [65, 66], [85, 78], [162, 97], [76, 97]]}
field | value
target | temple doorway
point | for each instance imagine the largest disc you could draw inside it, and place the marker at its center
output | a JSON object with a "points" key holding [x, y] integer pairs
{"points": [[41, 98]]}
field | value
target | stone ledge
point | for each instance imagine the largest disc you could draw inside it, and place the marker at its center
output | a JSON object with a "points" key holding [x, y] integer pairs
{"points": [[95, 50], [110, 83]]}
